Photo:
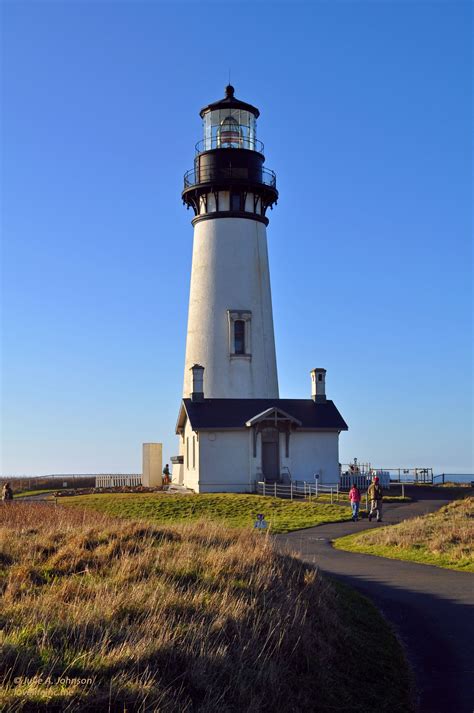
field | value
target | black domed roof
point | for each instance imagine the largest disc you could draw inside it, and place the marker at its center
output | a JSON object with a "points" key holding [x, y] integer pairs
{"points": [[230, 102]]}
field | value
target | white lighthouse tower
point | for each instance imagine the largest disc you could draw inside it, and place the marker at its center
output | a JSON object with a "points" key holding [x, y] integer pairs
{"points": [[234, 431], [230, 321]]}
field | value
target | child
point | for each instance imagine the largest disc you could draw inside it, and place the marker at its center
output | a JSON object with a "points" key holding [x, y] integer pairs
{"points": [[354, 497]]}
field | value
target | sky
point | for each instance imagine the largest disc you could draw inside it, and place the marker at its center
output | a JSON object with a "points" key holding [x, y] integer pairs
{"points": [[366, 119]]}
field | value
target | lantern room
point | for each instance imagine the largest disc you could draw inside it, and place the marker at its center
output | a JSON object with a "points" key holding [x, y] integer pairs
{"points": [[229, 123], [229, 176]]}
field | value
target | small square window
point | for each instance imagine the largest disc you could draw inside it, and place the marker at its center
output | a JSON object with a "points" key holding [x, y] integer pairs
{"points": [[320, 377]]}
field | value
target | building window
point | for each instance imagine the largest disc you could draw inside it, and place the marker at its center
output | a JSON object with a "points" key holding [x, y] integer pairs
{"points": [[239, 336], [194, 451], [187, 452], [240, 333], [320, 377]]}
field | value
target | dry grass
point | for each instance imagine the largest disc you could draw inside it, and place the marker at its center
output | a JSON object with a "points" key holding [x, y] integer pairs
{"points": [[444, 538], [112, 614]]}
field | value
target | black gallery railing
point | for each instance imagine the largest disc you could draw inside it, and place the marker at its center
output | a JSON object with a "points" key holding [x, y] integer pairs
{"points": [[233, 173], [229, 142]]}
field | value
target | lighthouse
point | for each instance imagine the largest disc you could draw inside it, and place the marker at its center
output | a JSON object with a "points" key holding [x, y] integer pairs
{"points": [[234, 431], [230, 321]]}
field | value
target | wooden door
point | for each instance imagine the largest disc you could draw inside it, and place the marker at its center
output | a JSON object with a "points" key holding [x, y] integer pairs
{"points": [[270, 454]]}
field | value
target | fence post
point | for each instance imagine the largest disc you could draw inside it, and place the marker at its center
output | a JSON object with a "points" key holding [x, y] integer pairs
{"points": [[291, 490], [275, 487], [403, 490], [263, 488], [337, 492], [331, 495]]}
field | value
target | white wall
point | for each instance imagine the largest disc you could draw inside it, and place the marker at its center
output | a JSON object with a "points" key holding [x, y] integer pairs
{"points": [[224, 462], [190, 471], [230, 272], [310, 452]]}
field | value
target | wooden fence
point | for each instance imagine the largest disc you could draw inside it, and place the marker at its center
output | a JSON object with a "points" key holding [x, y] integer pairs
{"points": [[118, 481]]}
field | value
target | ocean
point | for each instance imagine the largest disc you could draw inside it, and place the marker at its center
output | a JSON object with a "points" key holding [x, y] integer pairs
{"points": [[456, 477]]}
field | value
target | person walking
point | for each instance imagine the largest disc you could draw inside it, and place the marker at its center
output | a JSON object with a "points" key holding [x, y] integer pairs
{"points": [[354, 497], [375, 494], [7, 492], [166, 475]]}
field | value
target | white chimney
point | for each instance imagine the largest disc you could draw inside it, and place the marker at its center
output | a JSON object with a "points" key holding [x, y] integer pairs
{"points": [[318, 385], [197, 380]]}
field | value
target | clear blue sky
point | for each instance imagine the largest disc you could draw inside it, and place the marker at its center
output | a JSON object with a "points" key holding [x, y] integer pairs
{"points": [[366, 118]]}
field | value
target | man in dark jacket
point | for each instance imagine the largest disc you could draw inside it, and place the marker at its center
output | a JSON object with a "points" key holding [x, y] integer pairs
{"points": [[375, 494], [7, 492]]}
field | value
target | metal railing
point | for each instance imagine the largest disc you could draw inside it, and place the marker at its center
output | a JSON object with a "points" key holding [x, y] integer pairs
{"points": [[387, 475], [233, 173], [410, 475], [297, 489], [216, 142], [70, 481], [362, 481], [57, 481]]}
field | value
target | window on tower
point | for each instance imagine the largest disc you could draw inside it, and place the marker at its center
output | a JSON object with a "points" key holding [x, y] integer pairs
{"points": [[235, 201], [239, 336]]}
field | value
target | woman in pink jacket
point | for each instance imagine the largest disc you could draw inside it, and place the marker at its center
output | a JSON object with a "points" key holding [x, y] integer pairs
{"points": [[354, 497]]}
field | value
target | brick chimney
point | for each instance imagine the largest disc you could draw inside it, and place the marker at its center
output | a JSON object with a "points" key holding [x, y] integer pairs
{"points": [[197, 380], [318, 385]]}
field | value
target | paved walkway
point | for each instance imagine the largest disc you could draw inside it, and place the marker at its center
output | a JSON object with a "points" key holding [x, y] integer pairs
{"points": [[431, 608]]}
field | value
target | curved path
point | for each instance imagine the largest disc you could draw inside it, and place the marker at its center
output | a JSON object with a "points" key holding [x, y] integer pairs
{"points": [[431, 608]]}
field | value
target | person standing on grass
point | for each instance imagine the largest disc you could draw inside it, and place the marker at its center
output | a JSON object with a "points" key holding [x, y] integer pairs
{"points": [[375, 494], [166, 475], [354, 497], [7, 492]]}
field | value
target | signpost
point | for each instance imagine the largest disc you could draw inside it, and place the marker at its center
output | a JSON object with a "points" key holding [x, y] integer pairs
{"points": [[260, 522]]}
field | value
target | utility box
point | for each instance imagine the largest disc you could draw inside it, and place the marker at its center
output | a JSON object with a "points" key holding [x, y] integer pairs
{"points": [[152, 476]]}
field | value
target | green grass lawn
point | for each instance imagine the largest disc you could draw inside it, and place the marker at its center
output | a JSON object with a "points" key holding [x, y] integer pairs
{"points": [[234, 510], [28, 493], [344, 497], [444, 538]]}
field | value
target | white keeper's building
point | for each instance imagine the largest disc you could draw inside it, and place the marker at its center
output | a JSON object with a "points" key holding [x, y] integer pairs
{"points": [[233, 428]]}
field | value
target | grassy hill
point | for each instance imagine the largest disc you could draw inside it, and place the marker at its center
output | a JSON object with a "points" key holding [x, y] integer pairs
{"points": [[233, 510], [106, 614], [444, 538]]}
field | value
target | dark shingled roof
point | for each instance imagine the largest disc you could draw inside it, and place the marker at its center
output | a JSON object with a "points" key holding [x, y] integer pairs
{"points": [[230, 102], [234, 413]]}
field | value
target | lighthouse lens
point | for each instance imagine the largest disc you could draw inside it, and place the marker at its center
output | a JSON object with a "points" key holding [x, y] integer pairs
{"points": [[230, 128], [229, 134]]}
